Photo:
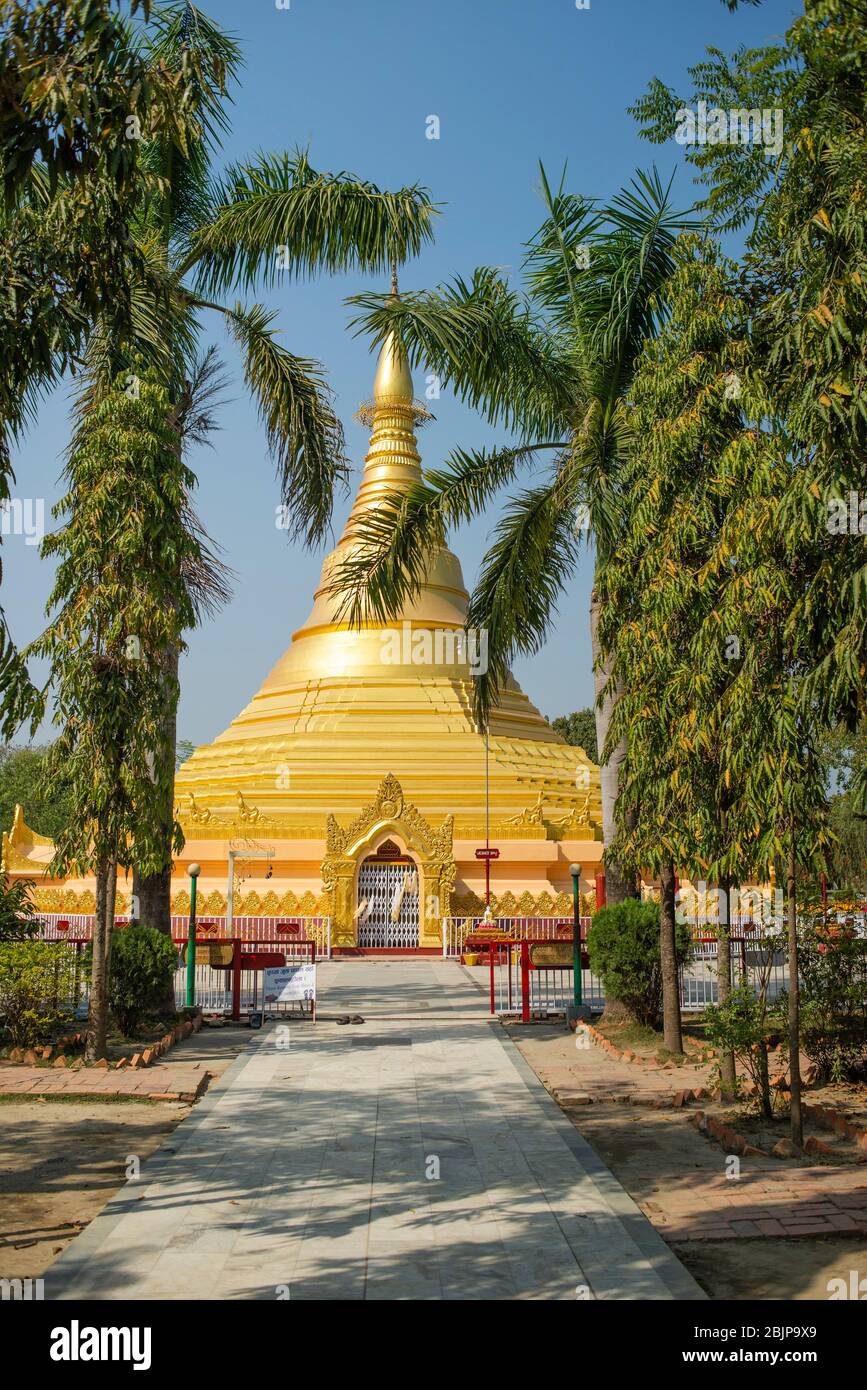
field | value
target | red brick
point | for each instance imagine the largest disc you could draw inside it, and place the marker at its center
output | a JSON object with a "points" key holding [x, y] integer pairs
{"points": [[818, 1226], [745, 1228], [769, 1227], [841, 1222]]}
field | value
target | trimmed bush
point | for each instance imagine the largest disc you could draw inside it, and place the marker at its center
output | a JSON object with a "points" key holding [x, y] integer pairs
{"points": [[34, 981], [141, 969], [623, 945]]}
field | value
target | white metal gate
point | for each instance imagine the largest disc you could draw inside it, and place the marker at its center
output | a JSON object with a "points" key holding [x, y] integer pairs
{"points": [[388, 905]]}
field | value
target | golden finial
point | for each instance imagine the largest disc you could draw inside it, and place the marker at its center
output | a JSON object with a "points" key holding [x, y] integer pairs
{"points": [[392, 385]]}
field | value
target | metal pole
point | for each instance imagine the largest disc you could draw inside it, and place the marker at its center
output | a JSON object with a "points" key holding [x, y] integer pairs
{"points": [[575, 871], [487, 829], [230, 894], [194, 870]]}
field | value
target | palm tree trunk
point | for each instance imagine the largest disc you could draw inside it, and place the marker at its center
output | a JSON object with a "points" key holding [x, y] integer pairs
{"points": [[727, 1072], [620, 883], [153, 892], [797, 1122], [671, 1021], [97, 1022]]}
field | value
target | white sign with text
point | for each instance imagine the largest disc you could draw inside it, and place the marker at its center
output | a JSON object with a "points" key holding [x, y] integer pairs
{"points": [[286, 984]]}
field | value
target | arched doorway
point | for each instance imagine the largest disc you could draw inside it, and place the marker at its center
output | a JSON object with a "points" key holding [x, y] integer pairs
{"points": [[388, 900], [359, 846]]}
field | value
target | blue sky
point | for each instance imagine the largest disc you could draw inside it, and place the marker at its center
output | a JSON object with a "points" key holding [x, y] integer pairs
{"points": [[512, 81]]}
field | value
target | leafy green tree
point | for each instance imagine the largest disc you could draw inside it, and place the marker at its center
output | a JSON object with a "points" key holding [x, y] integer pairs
{"points": [[556, 369], [657, 592], [17, 912], [184, 749], [808, 226], [22, 773], [74, 91], [119, 601], [201, 239], [579, 729]]}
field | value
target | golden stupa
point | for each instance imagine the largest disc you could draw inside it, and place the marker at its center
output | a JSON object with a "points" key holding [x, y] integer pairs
{"points": [[353, 785]]}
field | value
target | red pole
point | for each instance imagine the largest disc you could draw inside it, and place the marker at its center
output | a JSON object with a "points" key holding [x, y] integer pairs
{"points": [[487, 883], [236, 979], [525, 982], [600, 890], [491, 959]]}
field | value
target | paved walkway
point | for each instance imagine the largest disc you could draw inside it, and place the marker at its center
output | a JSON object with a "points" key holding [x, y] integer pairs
{"points": [[415, 1156]]}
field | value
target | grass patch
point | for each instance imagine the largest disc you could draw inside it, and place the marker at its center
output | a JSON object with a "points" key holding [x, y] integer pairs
{"points": [[59, 1098]]}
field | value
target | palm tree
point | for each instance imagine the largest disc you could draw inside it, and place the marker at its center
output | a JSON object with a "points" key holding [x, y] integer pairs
{"points": [[554, 367], [198, 239]]}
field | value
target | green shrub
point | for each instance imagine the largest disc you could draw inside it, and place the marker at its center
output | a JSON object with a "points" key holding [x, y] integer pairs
{"points": [[18, 919], [833, 999], [141, 970], [744, 1025], [35, 978], [623, 945]]}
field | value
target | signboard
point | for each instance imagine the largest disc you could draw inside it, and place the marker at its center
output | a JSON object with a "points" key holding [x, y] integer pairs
{"points": [[487, 854], [216, 954], [262, 960], [554, 953], [288, 984]]}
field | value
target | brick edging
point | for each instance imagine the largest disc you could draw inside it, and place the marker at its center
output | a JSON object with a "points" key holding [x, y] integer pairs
{"points": [[32, 1056], [600, 1040], [824, 1115]]}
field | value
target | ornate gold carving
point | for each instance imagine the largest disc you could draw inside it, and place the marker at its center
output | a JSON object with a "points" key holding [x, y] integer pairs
{"points": [[248, 815], [345, 848], [199, 815], [506, 905], [531, 815]]}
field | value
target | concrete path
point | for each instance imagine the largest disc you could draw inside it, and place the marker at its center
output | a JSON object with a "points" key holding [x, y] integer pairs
{"points": [[415, 1156]]}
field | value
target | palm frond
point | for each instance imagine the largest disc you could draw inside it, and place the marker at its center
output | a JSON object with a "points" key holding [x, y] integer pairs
{"points": [[395, 542], [183, 35], [305, 437], [276, 216], [559, 255], [207, 578], [483, 341], [205, 392], [535, 550], [632, 261]]}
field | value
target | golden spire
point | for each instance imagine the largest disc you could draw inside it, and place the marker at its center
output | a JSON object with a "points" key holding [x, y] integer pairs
{"points": [[393, 462]]}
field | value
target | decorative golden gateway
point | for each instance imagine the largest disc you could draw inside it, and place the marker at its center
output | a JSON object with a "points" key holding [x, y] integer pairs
{"points": [[366, 733]]}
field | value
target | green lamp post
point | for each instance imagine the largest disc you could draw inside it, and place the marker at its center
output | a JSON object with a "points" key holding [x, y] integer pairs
{"points": [[194, 870], [575, 871]]}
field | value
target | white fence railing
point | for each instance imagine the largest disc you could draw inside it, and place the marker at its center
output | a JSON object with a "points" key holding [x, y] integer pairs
{"points": [[758, 959]]}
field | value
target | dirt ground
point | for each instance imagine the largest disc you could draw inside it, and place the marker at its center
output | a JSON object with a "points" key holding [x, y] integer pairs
{"points": [[773, 1269], [653, 1152], [61, 1160], [644, 1148]]}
